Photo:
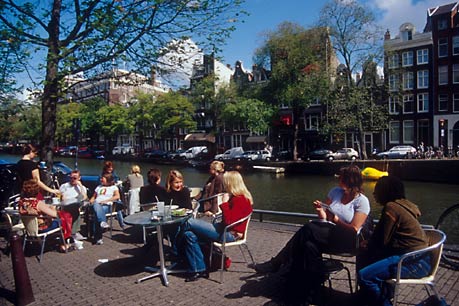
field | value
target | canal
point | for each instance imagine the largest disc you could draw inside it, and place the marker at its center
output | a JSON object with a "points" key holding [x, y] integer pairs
{"points": [[288, 192]]}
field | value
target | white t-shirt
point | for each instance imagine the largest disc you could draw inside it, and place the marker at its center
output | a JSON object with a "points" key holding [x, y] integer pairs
{"points": [[105, 192], [346, 211], [72, 193]]}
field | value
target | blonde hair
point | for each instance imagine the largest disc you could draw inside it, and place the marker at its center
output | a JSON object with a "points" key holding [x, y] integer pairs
{"points": [[218, 166], [135, 169], [173, 174], [234, 184]]}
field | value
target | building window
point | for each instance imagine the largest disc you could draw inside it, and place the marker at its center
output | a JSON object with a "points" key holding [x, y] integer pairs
{"points": [[442, 102], [423, 79], [407, 58], [407, 35], [455, 73], [442, 24], [311, 122], [394, 132], [455, 45], [408, 80], [408, 104], [456, 103], [393, 82], [423, 56], [423, 103], [442, 47], [394, 105], [393, 61], [442, 75], [408, 131]]}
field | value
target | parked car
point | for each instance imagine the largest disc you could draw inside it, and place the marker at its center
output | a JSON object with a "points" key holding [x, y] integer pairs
{"points": [[230, 153], [263, 155], [175, 154], [346, 153], [192, 152], [403, 151], [283, 155], [156, 153], [247, 155], [123, 150], [319, 154]]}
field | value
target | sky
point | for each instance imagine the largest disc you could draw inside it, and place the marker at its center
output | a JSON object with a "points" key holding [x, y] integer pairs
{"points": [[266, 15]]}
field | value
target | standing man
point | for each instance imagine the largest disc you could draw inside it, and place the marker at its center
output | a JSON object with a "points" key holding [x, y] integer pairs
{"points": [[73, 195]]}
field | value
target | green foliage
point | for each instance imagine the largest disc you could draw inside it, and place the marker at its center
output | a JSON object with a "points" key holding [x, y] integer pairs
{"points": [[114, 120], [171, 112], [27, 125]]}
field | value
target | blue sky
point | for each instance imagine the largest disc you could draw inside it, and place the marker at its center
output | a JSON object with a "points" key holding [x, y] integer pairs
{"points": [[266, 15]]}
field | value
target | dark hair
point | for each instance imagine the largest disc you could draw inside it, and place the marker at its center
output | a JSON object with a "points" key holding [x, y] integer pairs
{"points": [[153, 176], [30, 189], [109, 177], [388, 189], [26, 149], [351, 177], [107, 164]]}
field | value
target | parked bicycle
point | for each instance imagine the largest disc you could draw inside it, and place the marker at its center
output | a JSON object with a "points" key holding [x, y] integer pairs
{"points": [[448, 222]]}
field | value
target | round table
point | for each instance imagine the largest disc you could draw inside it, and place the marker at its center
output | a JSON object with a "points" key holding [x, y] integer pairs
{"points": [[145, 218]]}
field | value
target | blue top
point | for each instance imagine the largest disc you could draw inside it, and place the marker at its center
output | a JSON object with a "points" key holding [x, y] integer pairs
{"points": [[346, 211]]}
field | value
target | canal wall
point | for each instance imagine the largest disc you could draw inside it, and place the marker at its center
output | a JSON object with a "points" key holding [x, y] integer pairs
{"points": [[441, 171]]}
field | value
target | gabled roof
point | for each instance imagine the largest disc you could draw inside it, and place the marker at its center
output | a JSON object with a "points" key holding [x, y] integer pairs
{"points": [[443, 9]]}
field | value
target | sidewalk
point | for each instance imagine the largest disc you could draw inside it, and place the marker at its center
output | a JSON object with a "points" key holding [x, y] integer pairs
{"points": [[78, 278]]}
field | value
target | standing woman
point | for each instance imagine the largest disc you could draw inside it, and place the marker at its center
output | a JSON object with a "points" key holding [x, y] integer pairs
{"points": [[397, 232], [213, 186], [237, 204], [27, 169], [176, 190]]}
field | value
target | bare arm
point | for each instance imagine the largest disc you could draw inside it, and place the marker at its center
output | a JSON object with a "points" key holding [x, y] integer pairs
{"points": [[36, 177], [46, 209]]}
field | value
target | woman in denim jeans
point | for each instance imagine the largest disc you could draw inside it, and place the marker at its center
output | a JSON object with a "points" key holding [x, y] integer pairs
{"points": [[397, 232], [237, 204]]}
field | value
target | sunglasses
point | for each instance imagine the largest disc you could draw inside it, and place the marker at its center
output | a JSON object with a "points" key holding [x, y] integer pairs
{"points": [[74, 177]]}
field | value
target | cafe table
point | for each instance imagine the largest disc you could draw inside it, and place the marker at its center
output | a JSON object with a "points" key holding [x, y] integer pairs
{"points": [[151, 219]]}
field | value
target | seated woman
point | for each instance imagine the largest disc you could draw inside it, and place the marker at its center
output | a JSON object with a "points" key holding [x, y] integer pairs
{"points": [[31, 206], [237, 204], [213, 186], [348, 208], [104, 195], [397, 232], [177, 193], [153, 192]]}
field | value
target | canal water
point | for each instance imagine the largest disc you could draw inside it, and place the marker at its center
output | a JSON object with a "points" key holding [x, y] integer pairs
{"points": [[292, 193]]}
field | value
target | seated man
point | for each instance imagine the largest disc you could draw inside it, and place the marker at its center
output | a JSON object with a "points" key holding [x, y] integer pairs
{"points": [[153, 192], [73, 194], [104, 196]]}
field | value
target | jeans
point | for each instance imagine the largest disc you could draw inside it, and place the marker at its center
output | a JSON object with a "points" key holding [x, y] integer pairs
{"points": [[196, 231], [99, 211], [372, 277]]}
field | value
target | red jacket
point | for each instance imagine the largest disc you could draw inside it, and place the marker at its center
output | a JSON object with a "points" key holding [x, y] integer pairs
{"points": [[235, 209]]}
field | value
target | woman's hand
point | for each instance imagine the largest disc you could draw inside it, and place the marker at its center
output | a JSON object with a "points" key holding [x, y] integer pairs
{"points": [[319, 209]]}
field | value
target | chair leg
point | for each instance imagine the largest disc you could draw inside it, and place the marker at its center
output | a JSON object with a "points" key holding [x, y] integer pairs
{"points": [[144, 232], [42, 248], [349, 279], [222, 267], [394, 302], [248, 251]]}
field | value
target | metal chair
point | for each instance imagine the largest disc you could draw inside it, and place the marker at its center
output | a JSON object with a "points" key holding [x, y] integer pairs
{"points": [[223, 245], [133, 201], [436, 241], [32, 233]]}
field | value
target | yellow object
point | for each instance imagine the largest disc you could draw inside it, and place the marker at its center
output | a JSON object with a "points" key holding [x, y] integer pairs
{"points": [[370, 173]]}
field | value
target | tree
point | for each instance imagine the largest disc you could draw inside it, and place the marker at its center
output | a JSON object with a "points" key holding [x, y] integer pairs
{"points": [[142, 113], [299, 65], [113, 120], [173, 111], [67, 115], [357, 40], [74, 36]]}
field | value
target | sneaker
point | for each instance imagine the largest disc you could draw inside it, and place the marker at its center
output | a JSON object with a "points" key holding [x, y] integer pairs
{"points": [[104, 224], [100, 242], [78, 236]]}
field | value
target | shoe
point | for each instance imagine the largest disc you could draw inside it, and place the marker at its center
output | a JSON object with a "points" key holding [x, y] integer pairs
{"points": [[78, 236], [99, 242], [195, 276], [104, 224], [266, 267]]}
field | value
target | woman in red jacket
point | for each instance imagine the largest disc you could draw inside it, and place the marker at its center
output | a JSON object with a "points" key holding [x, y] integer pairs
{"points": [[237, 204]]}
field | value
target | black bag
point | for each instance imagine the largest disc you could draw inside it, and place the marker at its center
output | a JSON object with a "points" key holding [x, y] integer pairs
{"points": [[433, 300], [216, 258]]}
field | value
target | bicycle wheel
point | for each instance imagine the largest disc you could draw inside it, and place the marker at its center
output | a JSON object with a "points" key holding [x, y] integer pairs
{"points": [[449, 224]]}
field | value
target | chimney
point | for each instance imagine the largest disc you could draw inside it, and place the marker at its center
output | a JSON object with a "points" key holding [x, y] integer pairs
{"points": [[387, 35]]}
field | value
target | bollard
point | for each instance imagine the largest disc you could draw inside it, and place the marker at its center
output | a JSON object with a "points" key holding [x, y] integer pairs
{"points": [[24, 293]]}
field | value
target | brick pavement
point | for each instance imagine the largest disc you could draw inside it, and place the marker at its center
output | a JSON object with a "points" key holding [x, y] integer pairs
{"points": [[78, 278]]}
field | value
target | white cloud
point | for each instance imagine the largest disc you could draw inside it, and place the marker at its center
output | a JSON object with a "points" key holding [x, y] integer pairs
{"points": [[393, 13]]}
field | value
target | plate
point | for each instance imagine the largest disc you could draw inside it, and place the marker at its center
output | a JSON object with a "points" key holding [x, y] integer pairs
{"points": [[173, 207]]}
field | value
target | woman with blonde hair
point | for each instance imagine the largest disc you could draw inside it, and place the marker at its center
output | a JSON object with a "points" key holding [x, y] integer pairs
{"points": [[134, 179], [213, 186], [176, 191], [237, 204]]}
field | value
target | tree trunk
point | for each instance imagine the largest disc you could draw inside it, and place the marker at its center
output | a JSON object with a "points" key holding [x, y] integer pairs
{"points": [[51, 88]]}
